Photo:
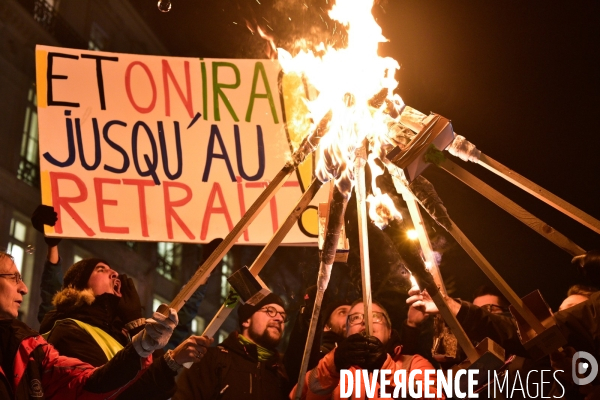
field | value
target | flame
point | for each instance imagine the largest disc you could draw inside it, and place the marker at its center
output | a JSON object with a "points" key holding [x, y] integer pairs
{"points": [[356, 85], [271, 50], [381, 206]]}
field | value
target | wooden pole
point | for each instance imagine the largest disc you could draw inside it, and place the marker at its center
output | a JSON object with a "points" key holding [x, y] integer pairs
{"points": [[419, 225], [206, 268], [360, 160], [539, 192], [335, 221], [307, 146], [425, 195], [512, 208], [438, 290], [266, 254], [413, 119]]}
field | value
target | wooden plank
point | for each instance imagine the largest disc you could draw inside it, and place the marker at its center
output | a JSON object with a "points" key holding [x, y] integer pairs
{"points": [[363, 237], [539, 192], [496, 279], [438, 296], [419, 225], [206, 268], [267, 252], [512, 208]]}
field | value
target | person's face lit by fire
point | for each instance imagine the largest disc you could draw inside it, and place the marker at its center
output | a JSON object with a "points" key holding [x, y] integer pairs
{"points": [[337, 320], [265, 327], [104, 280], [571, 301], [12, 288], [490, 303], [382, 329]]}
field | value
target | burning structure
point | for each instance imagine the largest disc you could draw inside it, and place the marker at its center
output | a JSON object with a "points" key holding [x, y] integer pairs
{"points": [[349, 115]]}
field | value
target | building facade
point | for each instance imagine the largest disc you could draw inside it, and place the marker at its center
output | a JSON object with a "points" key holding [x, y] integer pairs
{"points": [[158, 269]]}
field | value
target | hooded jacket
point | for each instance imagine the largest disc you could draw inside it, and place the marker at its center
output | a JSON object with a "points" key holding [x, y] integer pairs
{"points": [[71, 340], [231, 371], [38, 371], [323, 382]]}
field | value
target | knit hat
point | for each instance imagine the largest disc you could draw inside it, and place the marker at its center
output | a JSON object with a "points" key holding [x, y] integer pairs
{"points": [[78, 274], [246, 310], [331, 307]]}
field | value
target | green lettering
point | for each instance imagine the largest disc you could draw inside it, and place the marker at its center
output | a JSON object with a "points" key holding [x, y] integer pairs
{"points": [[218, 88], [259, 68], [204, 91]]}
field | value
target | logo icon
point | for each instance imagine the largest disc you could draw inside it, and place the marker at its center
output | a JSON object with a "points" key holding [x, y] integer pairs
{"points": [[584, 364]]}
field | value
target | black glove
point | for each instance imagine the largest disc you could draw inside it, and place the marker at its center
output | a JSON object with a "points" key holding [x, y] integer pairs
{"points": [[353, 351], [45, 215], [377, 353], [130, 306]]}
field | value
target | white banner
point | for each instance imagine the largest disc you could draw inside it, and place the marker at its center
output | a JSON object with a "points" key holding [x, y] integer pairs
{"points": [[159, 148]]}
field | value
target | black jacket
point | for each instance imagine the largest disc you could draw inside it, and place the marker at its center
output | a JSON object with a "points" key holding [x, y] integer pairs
{"points": [[231, 371], [158, 383]]}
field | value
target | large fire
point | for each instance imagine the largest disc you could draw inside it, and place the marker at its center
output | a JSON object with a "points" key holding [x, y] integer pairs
{"points": [[356, 85]]}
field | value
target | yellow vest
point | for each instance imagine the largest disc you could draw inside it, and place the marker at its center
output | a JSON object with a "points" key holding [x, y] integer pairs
{"points": [[107, 343]]}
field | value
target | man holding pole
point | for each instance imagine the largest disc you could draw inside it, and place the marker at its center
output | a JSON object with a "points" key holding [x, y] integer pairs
{"points": [[246, 365], [358, 352]]}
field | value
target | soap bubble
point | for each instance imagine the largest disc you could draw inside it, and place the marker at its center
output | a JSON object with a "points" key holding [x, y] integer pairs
{"points": [[164, 5]]}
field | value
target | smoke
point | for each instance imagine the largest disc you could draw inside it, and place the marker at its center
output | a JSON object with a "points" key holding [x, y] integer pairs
{"points": [[294, 25]]}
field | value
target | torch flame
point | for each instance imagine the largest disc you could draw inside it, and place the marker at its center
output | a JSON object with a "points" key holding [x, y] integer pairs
{"points": [[356, 86]]}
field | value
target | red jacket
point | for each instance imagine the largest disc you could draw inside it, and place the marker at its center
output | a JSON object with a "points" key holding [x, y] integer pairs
{"points": [[40, 372], [323, 382]]}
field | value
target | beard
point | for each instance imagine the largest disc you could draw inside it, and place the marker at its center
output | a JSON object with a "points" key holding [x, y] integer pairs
{"points": [[266, 339]]}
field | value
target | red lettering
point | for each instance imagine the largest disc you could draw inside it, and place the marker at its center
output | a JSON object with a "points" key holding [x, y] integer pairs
{"points": [[240, 190], [140, 109], [273, 202], [211, 209], [170, 208], [141, 184], [65, 202], [101, 202], [187, 100]]}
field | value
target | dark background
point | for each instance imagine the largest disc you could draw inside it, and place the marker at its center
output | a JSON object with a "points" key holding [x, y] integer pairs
{"points": [[518, 78]]}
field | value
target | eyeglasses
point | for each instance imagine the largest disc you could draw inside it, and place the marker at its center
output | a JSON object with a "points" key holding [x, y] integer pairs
{"points": [[272, 312], [358, 318], [494, 309], [15, 275]]}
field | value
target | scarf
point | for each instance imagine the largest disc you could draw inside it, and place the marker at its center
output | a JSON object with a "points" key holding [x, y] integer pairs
{"points": [[263, 353]]}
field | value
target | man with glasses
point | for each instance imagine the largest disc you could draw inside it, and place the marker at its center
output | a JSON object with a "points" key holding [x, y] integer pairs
{"points": [[380, 351], [490, 299], [246, 364], [32, 368]]}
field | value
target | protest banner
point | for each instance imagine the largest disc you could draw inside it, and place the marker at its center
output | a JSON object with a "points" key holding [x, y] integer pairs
{"points": [[136, 147]]}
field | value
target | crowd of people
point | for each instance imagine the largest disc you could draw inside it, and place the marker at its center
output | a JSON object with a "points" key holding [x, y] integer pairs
{"points": [[94, 342]]}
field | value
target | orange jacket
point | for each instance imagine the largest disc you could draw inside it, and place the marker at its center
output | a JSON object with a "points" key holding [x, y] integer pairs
{"points": [[323, 382]]}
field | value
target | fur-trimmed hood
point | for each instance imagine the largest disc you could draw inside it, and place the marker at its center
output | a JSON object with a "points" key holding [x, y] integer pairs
{"points": [[71, 297], [82, 305]]}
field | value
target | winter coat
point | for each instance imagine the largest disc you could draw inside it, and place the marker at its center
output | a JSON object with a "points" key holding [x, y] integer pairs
{"points": [[39, 372], [231, 371], [71, 340], [323, 382], [52, 281]]}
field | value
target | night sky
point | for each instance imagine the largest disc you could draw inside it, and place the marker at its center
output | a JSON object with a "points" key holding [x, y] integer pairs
{"points": [[519, 79]]}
